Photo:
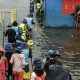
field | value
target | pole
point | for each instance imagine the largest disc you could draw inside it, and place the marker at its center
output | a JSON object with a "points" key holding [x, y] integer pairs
{"points": [[3, 32]]}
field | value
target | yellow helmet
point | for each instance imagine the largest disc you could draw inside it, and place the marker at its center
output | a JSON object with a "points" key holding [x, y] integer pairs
{"points": [[30, 43]]}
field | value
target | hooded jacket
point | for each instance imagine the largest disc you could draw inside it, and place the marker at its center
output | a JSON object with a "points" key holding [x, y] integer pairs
{"points": [[3, 65]]}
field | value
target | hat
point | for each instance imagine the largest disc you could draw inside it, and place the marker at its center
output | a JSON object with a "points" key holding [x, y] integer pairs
{"points": [[55, 53], [50, 52], [28, 15], [2, 50], [24, 21], [24, 46], [8, 47], [18, 49], [37, 62], [30, 42], [9, 25]]}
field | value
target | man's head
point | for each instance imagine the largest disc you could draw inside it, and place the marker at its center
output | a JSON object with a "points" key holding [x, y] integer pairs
{"points": [[55, 55]]}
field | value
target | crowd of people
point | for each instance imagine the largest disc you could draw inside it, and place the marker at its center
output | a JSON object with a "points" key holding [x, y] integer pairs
{"points": [[14, 57], [15, 65], [37, 8]]}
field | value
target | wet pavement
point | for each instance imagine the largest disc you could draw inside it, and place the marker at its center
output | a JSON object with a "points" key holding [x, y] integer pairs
{"points": [[67, 41]]}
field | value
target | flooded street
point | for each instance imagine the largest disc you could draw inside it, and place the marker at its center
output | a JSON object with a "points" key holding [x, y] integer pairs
{"points": [[65, 40]]}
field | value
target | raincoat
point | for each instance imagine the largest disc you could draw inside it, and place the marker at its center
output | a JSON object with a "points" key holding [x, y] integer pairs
{"points": [[3, 65], [24, 29]]}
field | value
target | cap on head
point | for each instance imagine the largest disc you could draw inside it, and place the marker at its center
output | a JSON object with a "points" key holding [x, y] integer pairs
{"points": [[37, 62], [19, 49], [24, 21], [50, 51], [55, 53], [8, 47]]}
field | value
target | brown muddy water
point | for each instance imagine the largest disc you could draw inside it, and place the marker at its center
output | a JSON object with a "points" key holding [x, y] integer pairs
{"points": [[67, 41]]}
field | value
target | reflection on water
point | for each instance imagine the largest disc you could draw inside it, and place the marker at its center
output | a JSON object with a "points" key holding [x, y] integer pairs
{"points": [[65, 40], [68, 42]]}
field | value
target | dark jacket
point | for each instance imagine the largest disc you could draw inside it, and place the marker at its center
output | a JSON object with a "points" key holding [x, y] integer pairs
{"points": [[39, 71], [50, 62], [11, 35]]}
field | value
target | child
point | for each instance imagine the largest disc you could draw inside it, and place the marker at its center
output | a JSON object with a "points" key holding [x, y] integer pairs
{"points": [[38, 72], [25, 51], [3, 64]]}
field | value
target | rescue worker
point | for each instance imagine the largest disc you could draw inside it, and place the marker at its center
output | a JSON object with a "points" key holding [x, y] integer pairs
{"points": [[38, 72], [3, 64], [38, 7], [11, 34], [23, 26]]}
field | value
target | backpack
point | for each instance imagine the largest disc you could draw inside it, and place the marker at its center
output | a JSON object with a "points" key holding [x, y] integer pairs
{"points": [[57, 72]]}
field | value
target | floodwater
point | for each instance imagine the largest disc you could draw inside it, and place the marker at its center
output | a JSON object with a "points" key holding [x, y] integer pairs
{"points": [[67, 41]]}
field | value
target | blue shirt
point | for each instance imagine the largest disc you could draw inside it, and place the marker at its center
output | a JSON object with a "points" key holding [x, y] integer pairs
{"points": [[29, 21], [16, 29], [26, 54]]}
